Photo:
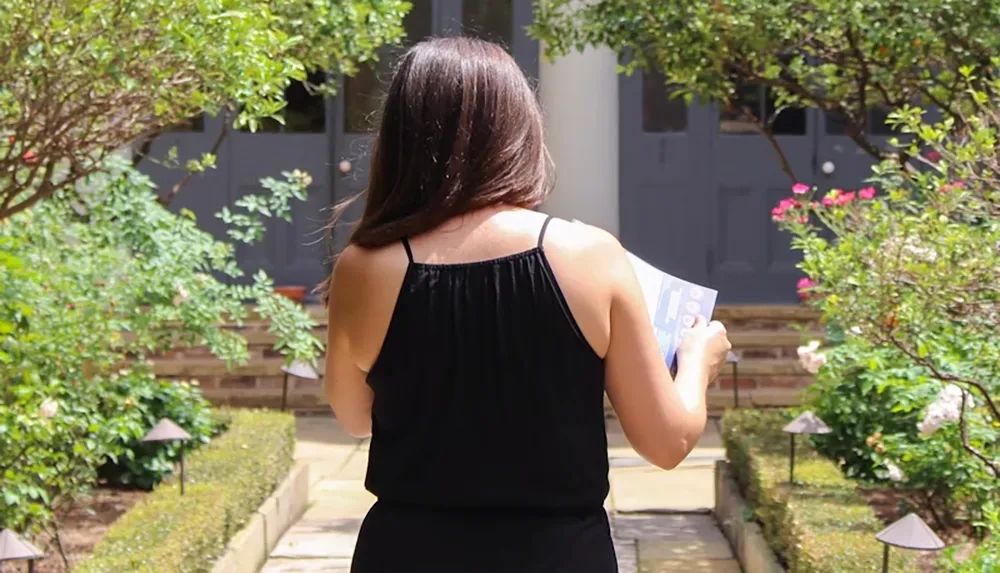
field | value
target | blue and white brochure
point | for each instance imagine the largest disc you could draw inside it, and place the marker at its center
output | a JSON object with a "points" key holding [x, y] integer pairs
{"points": [[673, 305]]}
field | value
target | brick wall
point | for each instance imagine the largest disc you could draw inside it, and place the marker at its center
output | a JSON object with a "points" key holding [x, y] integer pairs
{"points": [[763, 337]]}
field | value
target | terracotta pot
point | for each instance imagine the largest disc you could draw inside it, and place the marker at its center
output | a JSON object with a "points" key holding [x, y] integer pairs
{"points": [[296, 293]]}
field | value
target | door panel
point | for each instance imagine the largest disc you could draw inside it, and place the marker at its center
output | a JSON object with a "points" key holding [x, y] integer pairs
{"points": [[850, 164], [750, 260], [662, 156]]}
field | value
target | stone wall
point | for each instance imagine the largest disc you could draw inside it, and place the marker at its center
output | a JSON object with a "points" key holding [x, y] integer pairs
{"points": [[764, 337]]}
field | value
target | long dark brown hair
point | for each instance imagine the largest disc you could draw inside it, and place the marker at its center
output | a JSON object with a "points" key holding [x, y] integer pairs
{"points": [[460, 130]]}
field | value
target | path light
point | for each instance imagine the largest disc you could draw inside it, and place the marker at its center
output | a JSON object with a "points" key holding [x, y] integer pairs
{"points": [[13, 548], [168, 431], [806, 423], [733, 359], [909, 533], [299, 370]]}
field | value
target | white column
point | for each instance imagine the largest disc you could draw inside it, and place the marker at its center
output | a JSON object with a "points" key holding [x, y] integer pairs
{"points": [[579, 95]]}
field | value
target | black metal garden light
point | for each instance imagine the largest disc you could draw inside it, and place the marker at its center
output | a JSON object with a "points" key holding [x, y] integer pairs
{"points": [[299, 370], [909, 533], [806, 423], [167, 431], [13, 548], [733, 359]]}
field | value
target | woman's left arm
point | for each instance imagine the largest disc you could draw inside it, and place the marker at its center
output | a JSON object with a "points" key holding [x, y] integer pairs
{"points": [[346, 387]]}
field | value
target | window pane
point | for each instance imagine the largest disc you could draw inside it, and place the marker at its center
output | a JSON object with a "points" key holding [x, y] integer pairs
{"points": [[305, 111], [789, 120], [195, 124], [660, 112], [364, 91], [491, 20], [733, 118]]}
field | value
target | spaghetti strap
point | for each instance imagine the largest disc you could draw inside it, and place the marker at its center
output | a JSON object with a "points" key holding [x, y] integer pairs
{"points": [[541, 234], [409, 252]]}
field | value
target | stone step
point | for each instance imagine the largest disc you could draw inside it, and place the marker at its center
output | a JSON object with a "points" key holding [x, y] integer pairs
{"points": [[776, 313], [786, 338]]}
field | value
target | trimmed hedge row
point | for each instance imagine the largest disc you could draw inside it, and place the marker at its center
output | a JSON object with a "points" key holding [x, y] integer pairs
{"points": [[819, 525], [226, 481]]}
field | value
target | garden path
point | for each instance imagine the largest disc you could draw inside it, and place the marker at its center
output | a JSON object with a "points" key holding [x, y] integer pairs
{"points": [[661, 519]]}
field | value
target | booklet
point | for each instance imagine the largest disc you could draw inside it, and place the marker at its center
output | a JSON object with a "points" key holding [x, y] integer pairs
{"points": [[673, 305]]}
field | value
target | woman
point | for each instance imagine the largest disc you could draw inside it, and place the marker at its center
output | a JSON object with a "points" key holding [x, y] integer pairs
{"points": [[474, 338]]}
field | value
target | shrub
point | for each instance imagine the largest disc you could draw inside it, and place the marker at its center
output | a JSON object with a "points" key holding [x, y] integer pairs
{"points": [[145, 464], [227, 481], [820, 524], [95, 279]]}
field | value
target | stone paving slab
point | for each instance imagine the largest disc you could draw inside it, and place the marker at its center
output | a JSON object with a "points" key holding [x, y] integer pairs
{"points": [[342, 565], [652, 490], [691, 566], [654, 531]]}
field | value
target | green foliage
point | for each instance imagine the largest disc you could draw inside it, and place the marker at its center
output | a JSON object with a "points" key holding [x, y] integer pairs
{"points": [[820, 524], [911, 265], [844, 57], [148, 401], [82, 79], [227, 481], [94, 280], [985, 557]]}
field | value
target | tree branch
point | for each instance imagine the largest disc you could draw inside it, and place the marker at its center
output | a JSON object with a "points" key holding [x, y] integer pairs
{"points": [[993, 466], [165, 200], [768, 133]]}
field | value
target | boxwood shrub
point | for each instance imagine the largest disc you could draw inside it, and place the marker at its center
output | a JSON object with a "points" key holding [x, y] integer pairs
{"points": [[819, 525], [226, 481]]}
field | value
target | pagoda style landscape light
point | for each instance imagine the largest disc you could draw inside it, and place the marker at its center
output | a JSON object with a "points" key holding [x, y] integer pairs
{"points": [[909, 533], [806, 423], [168, 431], [733, 359], [13, 548], [299, 370]]}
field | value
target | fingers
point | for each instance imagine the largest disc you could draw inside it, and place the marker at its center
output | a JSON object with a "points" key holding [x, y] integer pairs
{"points": [[699, 321]]}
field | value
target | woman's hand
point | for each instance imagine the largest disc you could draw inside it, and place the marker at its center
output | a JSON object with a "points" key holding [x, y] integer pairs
{"points": [[704, 346]]}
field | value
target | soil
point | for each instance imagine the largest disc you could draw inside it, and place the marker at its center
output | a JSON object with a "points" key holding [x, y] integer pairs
{"points": [[82, 528]]}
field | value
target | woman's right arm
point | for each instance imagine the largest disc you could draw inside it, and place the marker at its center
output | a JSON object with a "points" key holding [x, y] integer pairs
{"points": [[663, 418]]}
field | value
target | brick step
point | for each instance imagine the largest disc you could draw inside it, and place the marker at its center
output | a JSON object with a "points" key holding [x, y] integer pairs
{"points": [[195, 367], [777, 313], [785, 338]]}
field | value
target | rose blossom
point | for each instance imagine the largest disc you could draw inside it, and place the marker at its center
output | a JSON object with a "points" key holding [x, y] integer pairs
{"points": [[895, 474], [49, 408], [803, 287], [811, 360], [867, 193], [800, 188], [845, 198]]}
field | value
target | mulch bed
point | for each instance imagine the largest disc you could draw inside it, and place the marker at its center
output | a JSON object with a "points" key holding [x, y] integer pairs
{"points": [[890, 505], [83, 527]]}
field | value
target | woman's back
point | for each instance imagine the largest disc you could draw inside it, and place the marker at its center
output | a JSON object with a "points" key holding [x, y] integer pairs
{"points": [[474, 338]]}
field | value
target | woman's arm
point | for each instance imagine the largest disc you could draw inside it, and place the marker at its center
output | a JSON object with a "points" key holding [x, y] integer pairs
{"points": [[346, 387], [663, 418]]}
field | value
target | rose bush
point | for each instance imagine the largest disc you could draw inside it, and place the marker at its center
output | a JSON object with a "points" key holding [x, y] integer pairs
{"points": [[910, 266], [92, 283]]}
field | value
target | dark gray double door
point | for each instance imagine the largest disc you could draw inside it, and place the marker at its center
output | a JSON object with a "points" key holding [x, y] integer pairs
{"points": [[329, 138], [698, 184]]}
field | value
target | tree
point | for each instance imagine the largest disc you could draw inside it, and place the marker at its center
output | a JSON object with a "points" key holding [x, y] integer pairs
{"points": [[82, 79], [845, 58]]}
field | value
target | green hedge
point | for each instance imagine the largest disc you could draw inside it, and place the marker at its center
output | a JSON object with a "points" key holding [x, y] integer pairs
{"points": [[820, 525], [226, 481]]}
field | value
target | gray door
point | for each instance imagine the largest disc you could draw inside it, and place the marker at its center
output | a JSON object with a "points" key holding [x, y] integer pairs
{"points": [[291, 253], [664, 162], [840, 162], [749, 259], [361, 96]]}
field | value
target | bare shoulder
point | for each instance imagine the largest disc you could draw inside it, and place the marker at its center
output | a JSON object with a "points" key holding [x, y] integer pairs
{"points": [[586, 244], [361, 271]]}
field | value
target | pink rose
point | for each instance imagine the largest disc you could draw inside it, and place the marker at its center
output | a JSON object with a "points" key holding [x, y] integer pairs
{"points": [[828, 201], [867, 193], [805, 285], [777, 214], [800, 188], [845, 198], [933, 156]]}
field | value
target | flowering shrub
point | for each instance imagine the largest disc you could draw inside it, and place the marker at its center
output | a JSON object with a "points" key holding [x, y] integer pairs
{"points": [[912, 269], [92, 281]]}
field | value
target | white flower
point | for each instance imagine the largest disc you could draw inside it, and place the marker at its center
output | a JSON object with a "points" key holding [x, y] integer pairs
{"points": [[811, 360], [895, 474], [947, 407], [49, 408], [182, 294], [856, 330]]}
